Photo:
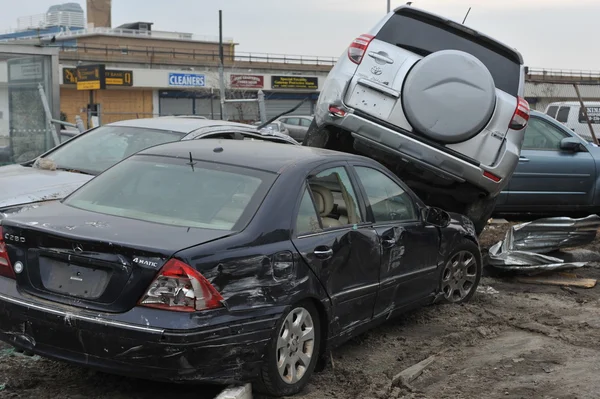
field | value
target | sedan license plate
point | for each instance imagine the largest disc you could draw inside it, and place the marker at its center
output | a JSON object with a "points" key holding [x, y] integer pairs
{"points": [[73, 280]]}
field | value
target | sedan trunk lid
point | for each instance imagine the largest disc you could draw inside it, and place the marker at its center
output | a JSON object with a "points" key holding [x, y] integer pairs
{"points": [[93, 260]]}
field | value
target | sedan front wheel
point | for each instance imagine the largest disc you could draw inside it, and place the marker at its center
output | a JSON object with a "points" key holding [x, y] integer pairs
{"points": [[461, 273]]}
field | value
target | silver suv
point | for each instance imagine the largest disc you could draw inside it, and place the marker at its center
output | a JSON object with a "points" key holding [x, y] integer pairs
{"points": [[438, 103]]}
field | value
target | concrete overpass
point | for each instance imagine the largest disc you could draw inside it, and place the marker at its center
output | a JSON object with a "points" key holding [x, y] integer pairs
{"points": [[544, 86]]}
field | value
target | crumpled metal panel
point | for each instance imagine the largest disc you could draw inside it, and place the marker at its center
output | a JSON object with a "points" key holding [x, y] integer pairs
{"points": [[525, 244], [550, 234]]}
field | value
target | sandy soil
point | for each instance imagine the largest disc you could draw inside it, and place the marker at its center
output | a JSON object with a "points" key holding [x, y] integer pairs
{"points": [[511, 341]]}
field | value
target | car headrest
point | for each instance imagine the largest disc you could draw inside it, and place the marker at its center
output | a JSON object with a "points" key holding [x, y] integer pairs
{"points": [[323, 199]]}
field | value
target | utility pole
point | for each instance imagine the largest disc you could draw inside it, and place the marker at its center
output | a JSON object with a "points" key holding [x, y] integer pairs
{"points": [[221, 68], [389, 5]]}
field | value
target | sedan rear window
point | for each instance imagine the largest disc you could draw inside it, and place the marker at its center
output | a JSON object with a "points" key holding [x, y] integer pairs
{"points": [[423, 36], [172, 191]]}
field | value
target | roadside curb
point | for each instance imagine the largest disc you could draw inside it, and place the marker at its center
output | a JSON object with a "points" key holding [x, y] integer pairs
{"points": [[239, 392]]}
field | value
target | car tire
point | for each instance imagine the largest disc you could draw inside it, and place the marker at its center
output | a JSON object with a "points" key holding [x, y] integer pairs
{"points": [[480, 212], [316, 136], [463, 265], [277, 378]]}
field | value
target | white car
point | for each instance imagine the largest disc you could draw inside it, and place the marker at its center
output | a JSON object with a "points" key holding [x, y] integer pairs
{"points": [[58, 172]]}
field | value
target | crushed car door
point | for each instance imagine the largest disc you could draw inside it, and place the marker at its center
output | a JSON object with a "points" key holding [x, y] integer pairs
{"points": [[409, 247], [342, 250]]}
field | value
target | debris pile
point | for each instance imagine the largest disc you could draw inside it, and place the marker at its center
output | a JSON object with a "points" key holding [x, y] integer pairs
{"points": [[526, 246]]}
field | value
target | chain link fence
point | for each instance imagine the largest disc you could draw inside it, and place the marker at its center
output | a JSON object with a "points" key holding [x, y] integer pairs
{"points": [[561, 96]]}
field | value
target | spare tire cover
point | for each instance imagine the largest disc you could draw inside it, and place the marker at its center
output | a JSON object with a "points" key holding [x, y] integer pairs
{"points": [[449, 96]]}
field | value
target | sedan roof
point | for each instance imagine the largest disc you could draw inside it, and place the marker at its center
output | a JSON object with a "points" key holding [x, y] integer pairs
{"points": [[177, 124], [263, 155]]}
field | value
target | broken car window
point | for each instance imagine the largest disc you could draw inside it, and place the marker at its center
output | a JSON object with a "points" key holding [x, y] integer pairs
{"points": [[335, 199], [307, 221]]}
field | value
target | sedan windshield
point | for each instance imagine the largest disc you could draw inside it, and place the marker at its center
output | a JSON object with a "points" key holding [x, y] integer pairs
{"points": [[101, 148], [176, 192]]}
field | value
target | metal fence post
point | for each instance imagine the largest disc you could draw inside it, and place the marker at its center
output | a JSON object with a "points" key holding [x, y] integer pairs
{"points": [[262, 110]]}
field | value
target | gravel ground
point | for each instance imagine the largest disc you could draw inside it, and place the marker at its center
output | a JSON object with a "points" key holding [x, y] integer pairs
{"points": [[511, 341]]}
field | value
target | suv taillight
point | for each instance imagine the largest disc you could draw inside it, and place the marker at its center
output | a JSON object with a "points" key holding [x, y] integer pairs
{"points": [[6, 269], [181, 288], [358, 47], [521, 115]]}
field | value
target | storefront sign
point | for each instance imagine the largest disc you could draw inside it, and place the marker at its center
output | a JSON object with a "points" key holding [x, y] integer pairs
{"points": [[294, 82], [26, 70], [247, 81], [91, 77], [114, 77], [187, 80], [119, 78]]}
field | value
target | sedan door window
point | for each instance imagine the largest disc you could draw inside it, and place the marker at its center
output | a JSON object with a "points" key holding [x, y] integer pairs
{"points": [[541, 135], [307, 221], [305, 122], [389, 202], [292, 121], [335, 198]]}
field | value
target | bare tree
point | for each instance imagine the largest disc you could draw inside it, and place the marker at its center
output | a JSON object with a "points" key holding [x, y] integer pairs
{"points": [[245, 112]]}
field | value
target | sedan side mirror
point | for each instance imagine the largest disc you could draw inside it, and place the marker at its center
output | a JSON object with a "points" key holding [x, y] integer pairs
{"points": [[436, 217], [570, 144]]}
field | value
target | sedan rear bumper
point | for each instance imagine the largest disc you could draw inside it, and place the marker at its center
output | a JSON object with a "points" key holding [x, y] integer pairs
{"points": [[220, 354]]}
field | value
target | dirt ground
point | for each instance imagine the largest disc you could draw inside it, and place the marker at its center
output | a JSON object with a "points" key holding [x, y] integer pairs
{"points": [[511, 341]]}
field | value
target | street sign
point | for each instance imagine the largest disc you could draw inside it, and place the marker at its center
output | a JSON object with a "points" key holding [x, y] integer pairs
{"points": [[91, 77]]}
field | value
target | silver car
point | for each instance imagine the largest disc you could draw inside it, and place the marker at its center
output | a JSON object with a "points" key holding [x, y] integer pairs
{"points": [[63, 169], [297, 125], [438, 103]]}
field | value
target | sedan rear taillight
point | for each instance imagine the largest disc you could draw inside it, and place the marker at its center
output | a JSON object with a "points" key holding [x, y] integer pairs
{"points": [[358, 47], [521, 115], [6, 269], [181, 288]]}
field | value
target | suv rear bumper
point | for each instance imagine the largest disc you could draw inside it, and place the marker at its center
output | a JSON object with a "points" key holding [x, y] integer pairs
{"points": [[438, 160]]}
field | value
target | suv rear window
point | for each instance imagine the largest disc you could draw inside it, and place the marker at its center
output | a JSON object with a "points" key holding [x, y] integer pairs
{"points": [[173, 192], [424, 36]]}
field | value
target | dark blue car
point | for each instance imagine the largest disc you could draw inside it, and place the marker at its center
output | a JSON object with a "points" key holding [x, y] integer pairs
{"points": [[558, 172]]}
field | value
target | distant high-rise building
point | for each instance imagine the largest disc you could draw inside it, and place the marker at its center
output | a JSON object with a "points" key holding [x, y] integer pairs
{"points": [[58, 18], [67, 14]]}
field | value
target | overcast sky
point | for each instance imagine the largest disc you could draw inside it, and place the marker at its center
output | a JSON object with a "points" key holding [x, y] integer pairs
{"points": [[554, 34]]}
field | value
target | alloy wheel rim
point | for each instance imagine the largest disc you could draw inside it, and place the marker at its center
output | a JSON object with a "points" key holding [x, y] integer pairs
{"points": [[459, 276], [295, 345]]}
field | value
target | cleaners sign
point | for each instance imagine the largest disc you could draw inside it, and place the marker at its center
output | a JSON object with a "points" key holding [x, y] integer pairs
{"points": [[187, 80]]}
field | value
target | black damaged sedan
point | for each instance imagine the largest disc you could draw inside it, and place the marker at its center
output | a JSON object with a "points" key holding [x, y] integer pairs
{"points": [[226, 261]]}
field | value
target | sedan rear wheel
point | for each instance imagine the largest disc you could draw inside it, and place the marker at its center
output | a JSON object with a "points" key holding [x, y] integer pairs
{"points": [[293, 352], [462, 272]]}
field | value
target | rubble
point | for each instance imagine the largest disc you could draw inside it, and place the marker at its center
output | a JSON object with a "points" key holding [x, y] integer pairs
{"points": [[526, 245]]}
